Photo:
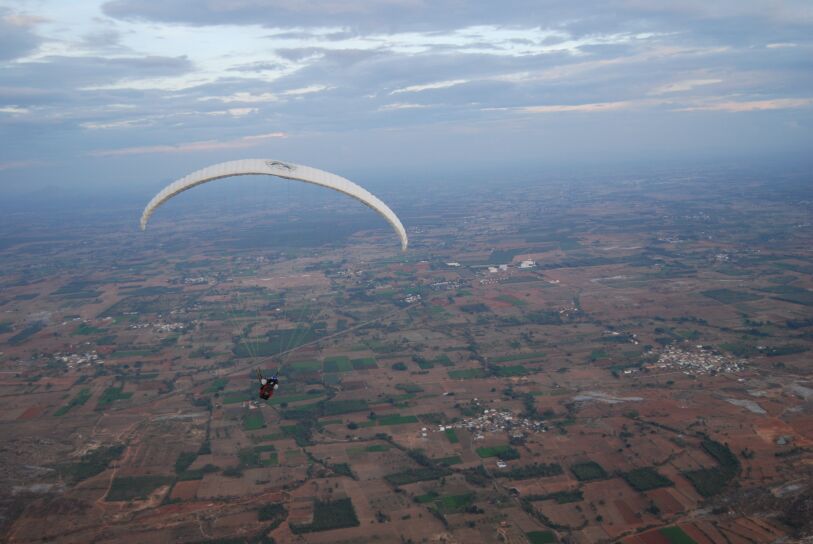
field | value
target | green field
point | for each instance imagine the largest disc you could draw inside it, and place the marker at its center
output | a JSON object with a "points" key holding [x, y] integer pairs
{"points": [[740, 349], [561, 497], [268, 437], [396, 419], [355, 451], [331, 379], [541, 537], [184, 460], [517, 357], [278, 341], [428, 497], [509, 371], [644, 479], [524, 472], [452, 436], [790, 293], [416, 475], [198, 473], [409, 388], [494, 451], [269, 460], [584, 472], [126, 488], [84, 330], [598, 354], [338, 407], [455, 503], [106, 340], [711, 481], [448, 461], [727, 296], [707, 481], [424, 364], [302, 411], [467, 374], [514, 301], [80, 399], [111, 395], [476, 308], [251, 457], [676, 535], [442, 360], [364, 363], [218, 385], [329, 515], [91, 464], [306, 366], [253, 420], [233, 397], [339, 363], [552, 393]]}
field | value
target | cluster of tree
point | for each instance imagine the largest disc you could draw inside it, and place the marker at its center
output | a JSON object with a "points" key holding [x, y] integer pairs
{"points": [[329, 515], [711, 481], [535, 470], [91, 464]]}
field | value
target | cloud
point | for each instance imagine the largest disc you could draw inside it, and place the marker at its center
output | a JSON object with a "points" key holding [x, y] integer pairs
{"points": [[443, 14], [16, 36], [241, 112], [751, 105], [246, 97], [355, 69], [258, 66], [14, 110], [584, 108], [430, 86], [683, 86], [310, 89], [11, 165], [123, 123], [91, 71], [190, 147], [276, 13], [243, 97], [401, 106]]}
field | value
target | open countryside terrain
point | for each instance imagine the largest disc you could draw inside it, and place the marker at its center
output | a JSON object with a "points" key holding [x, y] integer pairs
{"points": [[567, 361]]}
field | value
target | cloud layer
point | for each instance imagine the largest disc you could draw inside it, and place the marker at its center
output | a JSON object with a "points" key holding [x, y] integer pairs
{"points": [[97, 85]]}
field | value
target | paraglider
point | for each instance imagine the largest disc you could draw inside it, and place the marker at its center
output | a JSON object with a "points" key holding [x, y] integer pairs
{"points": [[267, 385], [279, 169]]}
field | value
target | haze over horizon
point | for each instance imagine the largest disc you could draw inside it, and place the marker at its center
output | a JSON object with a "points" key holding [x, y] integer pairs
{"points": [[123, 92]]}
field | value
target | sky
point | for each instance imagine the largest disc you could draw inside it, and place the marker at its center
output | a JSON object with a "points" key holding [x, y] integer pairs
{"points": [[121, 93]]}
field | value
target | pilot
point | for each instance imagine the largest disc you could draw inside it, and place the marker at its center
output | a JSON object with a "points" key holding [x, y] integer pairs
{"points": [[268, 386]]}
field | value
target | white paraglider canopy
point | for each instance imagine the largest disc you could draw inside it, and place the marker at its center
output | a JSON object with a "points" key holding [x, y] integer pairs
{"points": [[247, 167]]}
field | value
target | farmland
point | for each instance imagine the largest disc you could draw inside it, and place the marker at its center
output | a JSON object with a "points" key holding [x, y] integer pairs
{"points": [[647, 379]]}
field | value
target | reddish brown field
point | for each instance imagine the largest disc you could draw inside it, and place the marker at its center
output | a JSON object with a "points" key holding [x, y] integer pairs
{"points": [[185, 490], [31, 412]]}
